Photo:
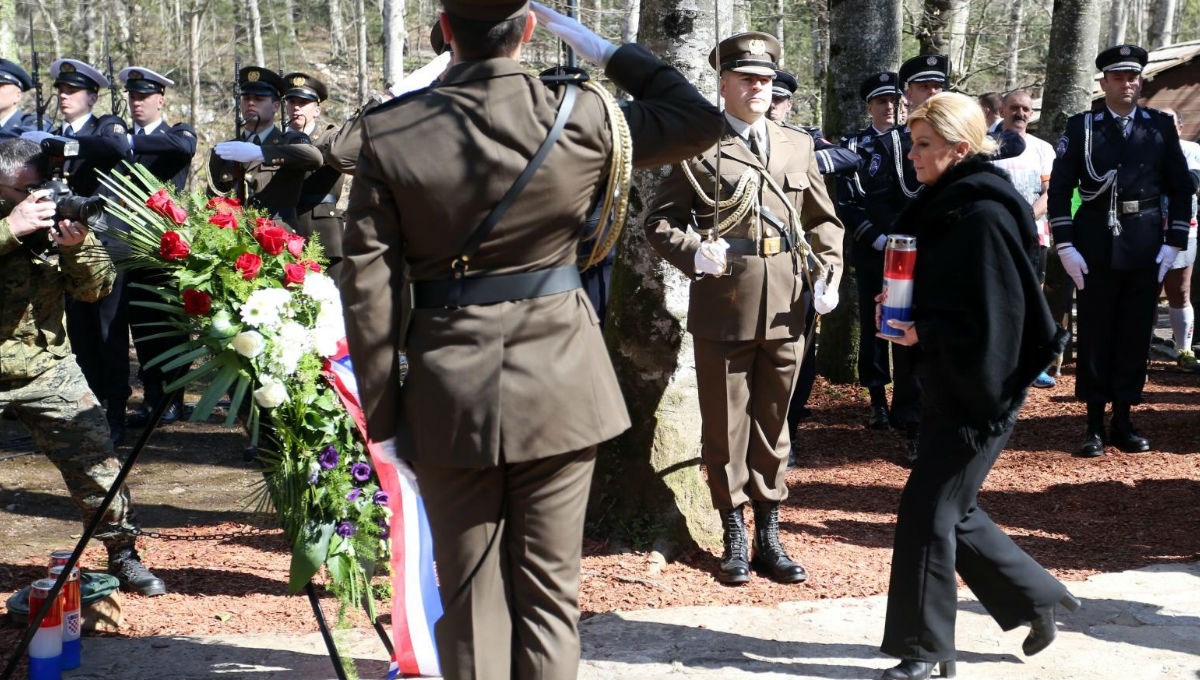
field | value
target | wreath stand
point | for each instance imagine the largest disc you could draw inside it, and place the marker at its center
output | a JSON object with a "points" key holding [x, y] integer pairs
{"points": [[35, 618]]}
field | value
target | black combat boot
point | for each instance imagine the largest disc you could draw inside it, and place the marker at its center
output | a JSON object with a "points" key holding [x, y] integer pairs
{"points": [[1123, 436], [735, 562], [133, 575], [1093, 441], [769, 555]]}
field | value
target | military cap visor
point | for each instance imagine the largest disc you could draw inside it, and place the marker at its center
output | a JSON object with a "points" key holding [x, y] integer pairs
{"points": [[436, 40], [486, 10], [75, 73], [12, 74], [752, 52], [304, 86], [260, 81], [885, 83], [1122, 58]]}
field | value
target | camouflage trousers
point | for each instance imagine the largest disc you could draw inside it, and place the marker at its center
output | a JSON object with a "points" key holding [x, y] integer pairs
{"points": [[68, 425]]}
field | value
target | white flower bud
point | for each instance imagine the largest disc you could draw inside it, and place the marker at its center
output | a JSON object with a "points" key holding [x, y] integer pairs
{"points": [[248, 343]]}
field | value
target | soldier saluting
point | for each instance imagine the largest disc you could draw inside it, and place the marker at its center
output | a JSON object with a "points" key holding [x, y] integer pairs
{"points": [[267, 165], [747, 305], [1123, 158]]}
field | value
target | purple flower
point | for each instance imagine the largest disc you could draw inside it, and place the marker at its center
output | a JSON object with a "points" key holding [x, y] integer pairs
{"points": [[380, 498], [384, 530], [346, 529], [354, 494], [329, 458], [361, 472]]}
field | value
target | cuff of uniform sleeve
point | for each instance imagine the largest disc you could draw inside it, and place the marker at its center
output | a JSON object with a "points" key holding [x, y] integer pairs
{"points": [[8, 240]]}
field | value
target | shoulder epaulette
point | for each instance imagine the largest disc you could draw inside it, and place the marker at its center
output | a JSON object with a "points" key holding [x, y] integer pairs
{"points": [[398, 100]]}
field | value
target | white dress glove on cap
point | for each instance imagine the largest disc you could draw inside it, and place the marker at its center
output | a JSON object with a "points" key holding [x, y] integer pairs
{"points": [[824, 301], [1166, 258], [239, 152], [586, 43], [1073, 262], [711, 258], [35, 136]]}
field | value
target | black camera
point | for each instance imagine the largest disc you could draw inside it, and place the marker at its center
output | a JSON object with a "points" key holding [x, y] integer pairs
{"points": [[67, 205]]}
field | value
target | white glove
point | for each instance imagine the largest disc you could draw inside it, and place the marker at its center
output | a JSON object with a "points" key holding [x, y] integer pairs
{"points": [[711, 257], [880, 243], [586, 43], [239, 152], [1165, 259], [35, 136], [422, 77], [1073, 262], [824, 301]]}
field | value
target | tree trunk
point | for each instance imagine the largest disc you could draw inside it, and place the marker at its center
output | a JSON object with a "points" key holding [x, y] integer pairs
{"points": [[8, 23], [820, 66], [942, 29], [337, 31], [393, 41], [361, 47], [1118, 19], [1162, 26], [256, 42], [629, 27], [960, 12], [778, 20], [47, 21], [1074, 32], [648, 489], [1015, 19], [864, 38], [740, 19], [289, 22], [193, 44]]}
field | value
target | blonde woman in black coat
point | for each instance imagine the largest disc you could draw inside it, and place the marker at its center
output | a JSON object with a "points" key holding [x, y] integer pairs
{"points": [[983, 333]]}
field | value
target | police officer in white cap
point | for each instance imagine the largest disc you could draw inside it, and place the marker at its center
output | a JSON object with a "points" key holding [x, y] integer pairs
{"points": [[98, 330], [166, 151]]}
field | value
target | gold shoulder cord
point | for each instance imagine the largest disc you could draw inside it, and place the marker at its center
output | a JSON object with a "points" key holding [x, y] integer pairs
{"points": [[620, 173], [745, 197]]}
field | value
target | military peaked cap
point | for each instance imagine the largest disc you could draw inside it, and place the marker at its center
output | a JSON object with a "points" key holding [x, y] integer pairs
{"points": [[259, 80], [1122, 58], [75, 73], [750, 52], [927, 68], [304, 86], [486, 10], [141, 79], [785, 84], [12, 73], [884, 83]]}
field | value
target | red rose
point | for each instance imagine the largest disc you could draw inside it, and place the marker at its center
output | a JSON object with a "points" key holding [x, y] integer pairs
{"points": [[312, 265], [263, 223], [172, 246], [248, 264], [225, 206], [196, 302], [161, 203], [295, 245], [224, 220], [272, 239], [294, 273]]}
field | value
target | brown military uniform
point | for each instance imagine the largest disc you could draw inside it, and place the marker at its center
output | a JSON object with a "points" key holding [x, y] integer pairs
{"points": [[39, 379], [504, 402], [274, 184], [747, 325], [317, 210]]}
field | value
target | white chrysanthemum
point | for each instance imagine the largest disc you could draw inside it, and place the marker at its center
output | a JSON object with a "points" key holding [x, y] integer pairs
{"points": [[325, 339], [248, 343], [272, 393], [322, 289], [267, 308]]}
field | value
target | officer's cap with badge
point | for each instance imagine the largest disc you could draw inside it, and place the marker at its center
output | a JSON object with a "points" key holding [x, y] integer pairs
{"points": [[142, 80], [486, 10], [751, 52], [75, 73], [927, 68], [1122, 58], [261, 81], [785, 84], [11, 73], [882, 84], [304, 86]]}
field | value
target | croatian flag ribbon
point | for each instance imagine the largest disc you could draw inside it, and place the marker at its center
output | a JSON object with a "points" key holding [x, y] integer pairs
{"points": [[416, 605]]}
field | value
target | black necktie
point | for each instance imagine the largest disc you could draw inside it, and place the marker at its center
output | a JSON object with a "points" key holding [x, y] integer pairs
{"points": [[756, 148], [140, 132]]}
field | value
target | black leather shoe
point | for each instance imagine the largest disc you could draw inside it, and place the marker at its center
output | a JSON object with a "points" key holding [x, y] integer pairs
{"points": [[769, 556], [1093, 446], [913, 669], [133, 575], [1128, 440], [880, 418], [115, 415], [141, 417], [1043, 629], [735, 565]]}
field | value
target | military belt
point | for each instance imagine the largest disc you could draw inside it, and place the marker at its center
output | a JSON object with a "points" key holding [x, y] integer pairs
{"points": [[486, 290], [771, 245], [1132, 207]]}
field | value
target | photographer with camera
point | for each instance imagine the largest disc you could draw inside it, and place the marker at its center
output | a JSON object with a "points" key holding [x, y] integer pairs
{"points": [[40, 382], [99, 330]]}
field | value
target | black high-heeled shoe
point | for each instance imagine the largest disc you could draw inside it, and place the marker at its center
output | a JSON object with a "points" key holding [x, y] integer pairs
{"points": [[1043, 629], [915, 669]]}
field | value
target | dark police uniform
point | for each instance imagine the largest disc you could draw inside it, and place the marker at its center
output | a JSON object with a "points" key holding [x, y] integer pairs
{"points": [[99, 330], [1119, 231], [166, 151], [275, 183], [869, 201], [18, 122], [317, 211]]}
